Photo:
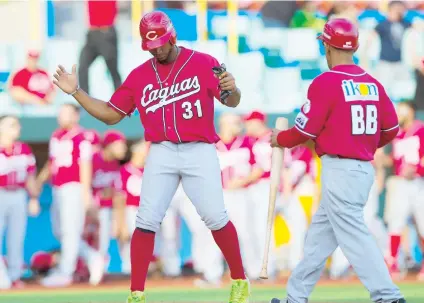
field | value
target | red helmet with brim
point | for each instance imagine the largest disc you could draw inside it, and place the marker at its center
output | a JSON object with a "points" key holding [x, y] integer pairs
{"points": [[156, 29], [340, 33]]}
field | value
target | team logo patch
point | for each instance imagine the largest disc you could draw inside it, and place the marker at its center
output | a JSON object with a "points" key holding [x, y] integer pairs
{"points": [[306, 107], [359, 91], [301, 120], [151, 35], [348, 44]]}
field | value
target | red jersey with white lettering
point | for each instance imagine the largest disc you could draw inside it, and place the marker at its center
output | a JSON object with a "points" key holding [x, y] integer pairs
{"points": [[130, 185], [105, 174], [346, 112], [16, 164], [408, 148], [236, 159], [262, 152], [66, 149], [36, 82], [175, 101]]}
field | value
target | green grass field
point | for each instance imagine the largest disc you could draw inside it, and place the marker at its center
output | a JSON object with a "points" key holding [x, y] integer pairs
{"points": [[414, 292]]}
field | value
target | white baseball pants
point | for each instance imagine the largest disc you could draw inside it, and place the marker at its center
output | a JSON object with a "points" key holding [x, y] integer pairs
{"points": [[13, 216]]}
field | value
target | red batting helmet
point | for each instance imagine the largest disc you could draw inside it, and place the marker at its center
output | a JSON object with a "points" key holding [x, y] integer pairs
{"points": [[156, 29], [111, 136], [340, 33]]}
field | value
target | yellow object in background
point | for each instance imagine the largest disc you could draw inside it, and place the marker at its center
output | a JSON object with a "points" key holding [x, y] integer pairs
{"points": [[232, 7], [201, 20], [281, 231], [307, 202]]}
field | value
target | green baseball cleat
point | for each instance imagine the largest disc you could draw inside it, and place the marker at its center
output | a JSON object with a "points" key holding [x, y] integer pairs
{"points": [[240, 291], [136, 297]]}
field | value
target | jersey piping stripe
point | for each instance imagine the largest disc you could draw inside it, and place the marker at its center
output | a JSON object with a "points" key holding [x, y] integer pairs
{"points": [[347, 74], [173, 107], [305, 133], [389, 129], [117, 108]]}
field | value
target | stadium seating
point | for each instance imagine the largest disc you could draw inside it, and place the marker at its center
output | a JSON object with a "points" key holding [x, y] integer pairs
{"points": [[274, 63]]}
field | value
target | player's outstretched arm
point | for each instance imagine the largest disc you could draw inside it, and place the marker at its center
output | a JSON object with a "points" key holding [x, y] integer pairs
{"points": [[68, 83]]}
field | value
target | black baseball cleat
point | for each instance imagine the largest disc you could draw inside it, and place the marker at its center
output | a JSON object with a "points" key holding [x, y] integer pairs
{"points": [[275, 300], [401, 300]]}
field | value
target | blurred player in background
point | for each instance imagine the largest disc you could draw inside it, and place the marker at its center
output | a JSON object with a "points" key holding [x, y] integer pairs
{"points": [[297, 184], [17, 177], [43, 262], [127, 199], [405, 190], [238, 171], [70, 169], [258, 191], [101, 40], [32, 84], [106, 168]]}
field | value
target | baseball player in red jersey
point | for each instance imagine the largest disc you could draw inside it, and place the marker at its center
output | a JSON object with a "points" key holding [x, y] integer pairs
{"points": [[70, 170], [406, 188], [17, 178], [128, 200], [106, 169], [297, 182], [349, 115], [258, 190], [174, 93]]}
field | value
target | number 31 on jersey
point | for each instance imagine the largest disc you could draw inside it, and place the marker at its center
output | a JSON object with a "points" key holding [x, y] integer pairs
{"points": [[364, 119], [190, 111]]}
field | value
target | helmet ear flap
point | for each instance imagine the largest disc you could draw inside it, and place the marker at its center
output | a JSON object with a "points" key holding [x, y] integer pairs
{"points": [[173, 38]]}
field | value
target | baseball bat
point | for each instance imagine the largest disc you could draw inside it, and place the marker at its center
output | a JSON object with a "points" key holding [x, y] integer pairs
{"points": [[276, 167]]}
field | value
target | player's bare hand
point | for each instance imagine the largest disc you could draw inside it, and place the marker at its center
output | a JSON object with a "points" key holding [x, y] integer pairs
{"points": [[67, 82], [274, 136], [227, 82], [33, 207]]}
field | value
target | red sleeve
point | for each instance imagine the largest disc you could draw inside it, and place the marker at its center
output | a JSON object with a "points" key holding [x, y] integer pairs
{"points": [[314, 113], [123, 99], [17, 79], [291, 138], [389, 119]]}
